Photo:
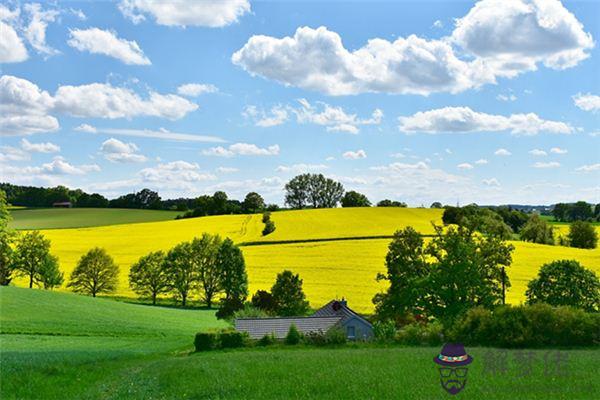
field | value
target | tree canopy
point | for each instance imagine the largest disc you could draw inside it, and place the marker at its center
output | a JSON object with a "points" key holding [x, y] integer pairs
{"points": [[96, 272], [288, 296], [313, 190], [355, 199]]}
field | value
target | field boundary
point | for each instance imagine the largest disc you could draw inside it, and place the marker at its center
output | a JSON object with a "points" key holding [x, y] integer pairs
{"points": [[317, 240]]}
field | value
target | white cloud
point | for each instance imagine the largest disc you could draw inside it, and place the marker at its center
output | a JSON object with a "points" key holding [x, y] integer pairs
{"points": [[587, 102], [438, 24], [551, 164], [511, 37], [397, 155], [354, 155], [506, 97], [39, 147], [538, 153], [100, 100], [12, 49], [179, 175], [98, 41], [9, 153], [465, 120], [60, 166], [589, 168], [481, 161], [35, 32], [558, 150], [301, 168], [243, 149], [334, 118], [116, 151], [209, 13], [24, 108], [491, 182], [277, 115], [227, 170], [464, 166], [196, 89], [86, 128], [78, 13], [502, 152]]}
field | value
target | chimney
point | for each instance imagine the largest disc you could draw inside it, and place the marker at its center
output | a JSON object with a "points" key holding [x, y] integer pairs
{"points": [[344, 302]]}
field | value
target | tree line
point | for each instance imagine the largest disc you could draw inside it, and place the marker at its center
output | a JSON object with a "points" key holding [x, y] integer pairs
{"points": [[579, 211]]}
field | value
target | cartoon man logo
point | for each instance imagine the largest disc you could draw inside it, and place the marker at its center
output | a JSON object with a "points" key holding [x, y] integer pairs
{"points": [[453, 361]]}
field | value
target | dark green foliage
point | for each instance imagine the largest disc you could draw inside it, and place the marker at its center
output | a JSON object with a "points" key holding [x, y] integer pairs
{"points": [[484, 220], [538, 325], [418, 334], [335, 336], [249, 311], [391, 203], [537, 230], [229, 307], [513, 218], [263, 300], [436, 204], [7, 236], [384, 331], [205, 341], [582, 235], [145, 198], [207, 264], [32, 257], [565, 283], [253, 203], [269, 228], [313, 190], [355, 199], [181, 270], [293, 336], [96, 272], [30, 196], [267, 340], [148, 277], [266, 217], [232, 339], [233, 278], [50, 276], [288, 296], [580, 211]]}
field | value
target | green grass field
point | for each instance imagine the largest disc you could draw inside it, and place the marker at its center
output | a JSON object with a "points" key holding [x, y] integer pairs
{"points": [[66, 346], [57, 218]]}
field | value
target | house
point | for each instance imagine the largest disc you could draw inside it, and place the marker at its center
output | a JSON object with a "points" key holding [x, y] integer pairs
{"points": [[62, 204], [336, 313]]}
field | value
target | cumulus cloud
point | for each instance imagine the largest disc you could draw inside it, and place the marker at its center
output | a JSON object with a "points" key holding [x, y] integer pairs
{"points": [[196, 89], [354, 155], [39, 147], [587, 102], [464, 166], [276, 116], [35, 32], [242, 149], [176, 174], [209, 13], [58, 166], [227, 170], [502, 152], [538, 153], [9, 153], [491, 182], [86, 128], [120, 152], [465, 120], [12, 48], [481, 161], [301, 168], [98, 41], [558, 150], [334, 118], [551, 164], [589, 168]]}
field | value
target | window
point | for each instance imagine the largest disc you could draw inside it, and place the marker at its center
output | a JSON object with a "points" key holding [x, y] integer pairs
{"points": [[350, 331]]}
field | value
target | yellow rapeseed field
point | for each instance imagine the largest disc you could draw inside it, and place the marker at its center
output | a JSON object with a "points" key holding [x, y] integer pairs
{"points": [[329, 269]]}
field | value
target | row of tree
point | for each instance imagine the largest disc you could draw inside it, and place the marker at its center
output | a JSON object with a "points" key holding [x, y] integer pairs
{"points": [[579, 211]]}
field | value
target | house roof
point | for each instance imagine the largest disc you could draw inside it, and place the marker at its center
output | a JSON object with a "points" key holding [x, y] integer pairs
{"points": [[279, 327], [337, 308]]}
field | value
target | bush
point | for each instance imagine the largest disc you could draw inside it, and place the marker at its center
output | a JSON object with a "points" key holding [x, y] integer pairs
{"points": [[267, 340], [266, 217], [335, 336], [205, 341], [250, 311], [264, 301], [538, 325], [229, 307], [430, 334], [293, 336], [232, 339], [384, 332], [582, 235], [315, 338], [269, 228]]}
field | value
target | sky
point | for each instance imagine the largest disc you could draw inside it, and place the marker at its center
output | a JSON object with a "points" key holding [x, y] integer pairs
{"points": [[492, 102]]}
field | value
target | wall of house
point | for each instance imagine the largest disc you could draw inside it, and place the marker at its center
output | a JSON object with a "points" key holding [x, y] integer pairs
{"points": [[362, 330]]}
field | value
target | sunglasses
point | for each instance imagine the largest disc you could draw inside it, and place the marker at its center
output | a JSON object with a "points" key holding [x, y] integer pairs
{"points": [[459, 372]]}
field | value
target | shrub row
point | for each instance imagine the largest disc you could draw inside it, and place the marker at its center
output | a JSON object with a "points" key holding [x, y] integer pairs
{"points": [[224, 339]]}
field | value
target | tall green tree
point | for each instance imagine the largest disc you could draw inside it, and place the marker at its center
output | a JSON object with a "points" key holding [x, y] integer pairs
{"points": [[148, 276], [31, 253], [565, 283], [582, 235], [49, 274], [296, 191], [205, 251], [537, 230], [7, 237], [355, 199], [253, 203], [181, 269], [288, 296], [96, 272], [233, 278]]}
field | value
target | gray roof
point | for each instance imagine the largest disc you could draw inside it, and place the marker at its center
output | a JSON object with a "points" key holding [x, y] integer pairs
{"points": [[259, 327], [336, 308]]}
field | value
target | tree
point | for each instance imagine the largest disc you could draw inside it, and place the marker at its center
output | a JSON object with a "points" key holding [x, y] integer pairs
{"points": [[219, 203], [233, 279], [296, 191], [148, 276], [560, 212], [31, 253], [580, 211], [582, 235], [436, 204], [7, 237], [205, 251], [96, 272], [263, 300], [355, 199], [565, 283], [391, 203], [49, 273], [293, 336], [537, 230], [269, 227], [288, 296], [181, 269], [253, 203], [313, 189]]}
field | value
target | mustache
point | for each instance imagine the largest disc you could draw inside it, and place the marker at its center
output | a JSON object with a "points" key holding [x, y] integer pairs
{"points": [[452, 383]]}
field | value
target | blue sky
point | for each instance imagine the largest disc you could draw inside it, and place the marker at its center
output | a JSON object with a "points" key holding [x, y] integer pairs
{"points": [[489, 102]]}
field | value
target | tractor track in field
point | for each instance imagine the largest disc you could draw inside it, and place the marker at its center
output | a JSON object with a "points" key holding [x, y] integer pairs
{"points": [[295, 241]]}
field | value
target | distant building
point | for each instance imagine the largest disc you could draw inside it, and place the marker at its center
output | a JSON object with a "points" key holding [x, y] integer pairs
{"points": [[62, 204], [336, 313]]}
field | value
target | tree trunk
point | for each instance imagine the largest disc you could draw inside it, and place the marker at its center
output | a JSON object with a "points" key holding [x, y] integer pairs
{"points": [[183, 297], [94, 293], [30, 281], [153, 299]]}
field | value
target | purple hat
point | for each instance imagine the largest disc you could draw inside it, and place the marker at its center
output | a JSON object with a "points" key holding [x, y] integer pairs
{"points": [[453, 355]]}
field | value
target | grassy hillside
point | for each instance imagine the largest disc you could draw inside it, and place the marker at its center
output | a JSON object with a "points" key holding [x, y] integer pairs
{"points": [[329, 268], [55, 218]]}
